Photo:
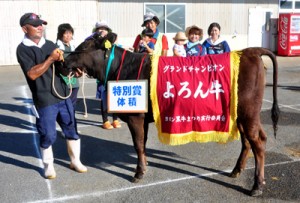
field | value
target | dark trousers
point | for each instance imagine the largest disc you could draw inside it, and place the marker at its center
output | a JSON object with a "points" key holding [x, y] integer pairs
{"points": [[63, 114], [104, 112]]}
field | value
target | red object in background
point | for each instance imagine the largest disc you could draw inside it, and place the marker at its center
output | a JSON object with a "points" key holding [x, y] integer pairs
{"points": [[289, 34]]}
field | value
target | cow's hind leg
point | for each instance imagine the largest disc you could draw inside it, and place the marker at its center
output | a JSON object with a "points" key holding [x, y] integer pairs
{"points": [[136, 127], [254, 137], [242, 160], [258, 145]]}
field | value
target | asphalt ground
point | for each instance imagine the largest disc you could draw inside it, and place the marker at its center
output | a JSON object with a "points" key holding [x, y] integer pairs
{"points": [[188, 173]]}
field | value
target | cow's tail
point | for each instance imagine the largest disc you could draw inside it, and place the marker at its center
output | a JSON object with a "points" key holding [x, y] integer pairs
{"points": [[275, 109]]}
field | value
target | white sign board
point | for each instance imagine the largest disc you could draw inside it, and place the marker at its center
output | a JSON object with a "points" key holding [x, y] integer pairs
{"points": [[127, 96]]}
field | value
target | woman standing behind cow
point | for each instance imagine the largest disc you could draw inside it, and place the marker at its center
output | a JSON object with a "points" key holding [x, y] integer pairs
{"points": [[194, 47], [159, 39], [101, 92], [215, 44], [65, 42]]}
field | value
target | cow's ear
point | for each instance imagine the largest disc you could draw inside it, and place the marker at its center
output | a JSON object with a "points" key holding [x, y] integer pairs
{"points": [[108, 41], [112, 37]]}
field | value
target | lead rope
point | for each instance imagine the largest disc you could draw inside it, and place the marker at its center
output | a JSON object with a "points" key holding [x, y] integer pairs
{"points": [[53, 86], [70, 76], [85, 115]]}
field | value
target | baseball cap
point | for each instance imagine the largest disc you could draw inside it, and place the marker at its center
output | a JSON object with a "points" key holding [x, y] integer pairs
{"points": [[150, 16], [31, 19]]}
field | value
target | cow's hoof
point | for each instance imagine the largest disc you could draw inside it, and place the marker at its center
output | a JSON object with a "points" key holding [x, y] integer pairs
{"points": [[256, 192], [257, 189], [135, 180], [137, 177], [235, 173]]}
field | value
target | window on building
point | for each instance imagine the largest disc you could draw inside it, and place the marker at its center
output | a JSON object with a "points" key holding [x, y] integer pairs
{"points": [[297, 5], [289, 6], [286, 5], [171, 16]]}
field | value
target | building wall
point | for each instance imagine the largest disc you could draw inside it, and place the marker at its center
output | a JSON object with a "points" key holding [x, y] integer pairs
{"points": [[124, 17]]}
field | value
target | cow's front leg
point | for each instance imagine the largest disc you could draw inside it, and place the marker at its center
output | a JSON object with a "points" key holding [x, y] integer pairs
{"points": [[136, 127]]}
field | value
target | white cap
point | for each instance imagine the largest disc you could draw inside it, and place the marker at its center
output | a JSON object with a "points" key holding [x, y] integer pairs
{"points": [[102, 23], [150, 16]]}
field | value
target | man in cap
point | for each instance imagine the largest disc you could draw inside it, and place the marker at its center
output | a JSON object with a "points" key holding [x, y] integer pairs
{"points": [[36, 56], [159, 39]]}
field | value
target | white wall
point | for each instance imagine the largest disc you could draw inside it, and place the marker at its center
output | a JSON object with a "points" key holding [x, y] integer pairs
{"points": [[125, 18]]}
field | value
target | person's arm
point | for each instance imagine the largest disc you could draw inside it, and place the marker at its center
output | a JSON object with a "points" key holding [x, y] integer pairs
{"points": [[175, 51], [164, 52], [39, 69], [136, 43], [165, 46], [149, 47], [149, 50]]}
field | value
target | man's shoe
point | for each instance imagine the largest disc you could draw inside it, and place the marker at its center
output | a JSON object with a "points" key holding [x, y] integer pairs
{"points": [[116, 124], [107, 126]]}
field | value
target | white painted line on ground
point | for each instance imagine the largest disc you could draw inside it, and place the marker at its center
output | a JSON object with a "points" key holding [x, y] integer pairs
{"points": [[34, 140], [101, 193], [289, 107], [285, 106]]}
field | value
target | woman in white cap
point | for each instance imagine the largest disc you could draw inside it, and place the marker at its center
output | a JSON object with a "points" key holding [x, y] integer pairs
{"points": [[215, 44], [178, 48], [159, 39], [101, 92], [102, 27]]}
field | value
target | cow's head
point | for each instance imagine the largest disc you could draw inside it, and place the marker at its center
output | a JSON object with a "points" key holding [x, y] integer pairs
{"points": [[90, 55]]}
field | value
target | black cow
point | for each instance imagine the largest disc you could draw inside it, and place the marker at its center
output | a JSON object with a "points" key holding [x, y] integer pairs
{"points": [[92, 57]]}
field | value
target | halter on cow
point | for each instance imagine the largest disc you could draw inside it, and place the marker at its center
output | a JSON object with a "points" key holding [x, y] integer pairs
{"points": [[92, 57]]}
